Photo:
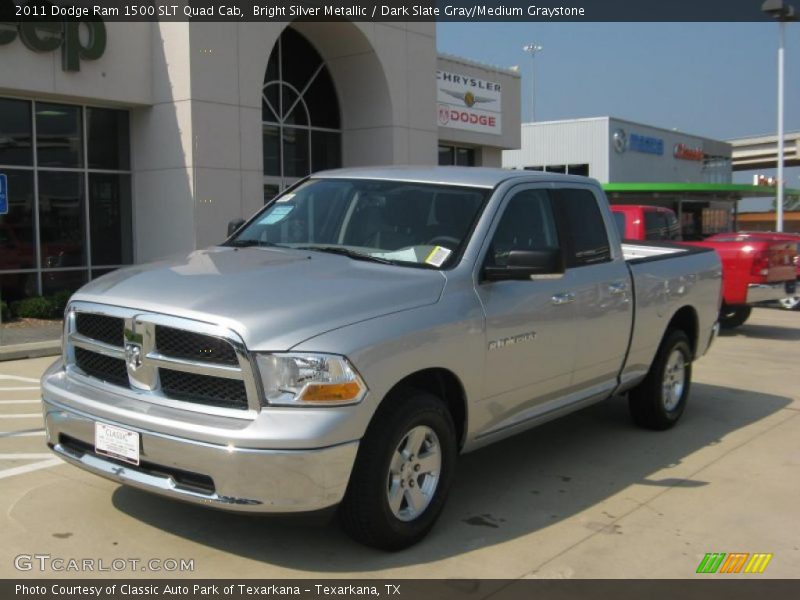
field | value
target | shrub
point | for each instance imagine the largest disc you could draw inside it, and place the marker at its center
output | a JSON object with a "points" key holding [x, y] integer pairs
{"points": [[5, 312], [60, 300], [38, 307]]}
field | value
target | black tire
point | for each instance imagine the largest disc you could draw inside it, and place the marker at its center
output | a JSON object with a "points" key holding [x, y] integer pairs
{"points": [[365, 513], [733, 316], [650, 406]]}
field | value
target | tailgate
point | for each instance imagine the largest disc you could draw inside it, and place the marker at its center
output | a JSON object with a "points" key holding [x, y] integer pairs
{"points": [[781, 257]]}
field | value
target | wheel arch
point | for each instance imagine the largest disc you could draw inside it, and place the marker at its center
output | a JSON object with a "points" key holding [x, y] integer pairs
{"points": [[685, 319], [444, 384]]}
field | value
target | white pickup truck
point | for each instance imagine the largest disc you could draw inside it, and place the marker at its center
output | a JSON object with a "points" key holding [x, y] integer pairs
{"points": [[344, 345]]}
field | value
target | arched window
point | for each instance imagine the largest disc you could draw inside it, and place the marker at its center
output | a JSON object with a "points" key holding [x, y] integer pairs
{"points": [[300, 114]]}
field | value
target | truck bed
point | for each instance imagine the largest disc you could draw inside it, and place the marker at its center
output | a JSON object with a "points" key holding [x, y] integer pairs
{"points": [[640, 252], [667, 276]]}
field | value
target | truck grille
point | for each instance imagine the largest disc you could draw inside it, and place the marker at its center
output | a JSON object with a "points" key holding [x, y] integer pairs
{"points": [[110, 330], [99, 366], [161, 358], [203, 389], [194, 346]]}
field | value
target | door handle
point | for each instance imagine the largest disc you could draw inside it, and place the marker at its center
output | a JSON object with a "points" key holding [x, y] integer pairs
{"points": [[563, 298], [618, 288]]}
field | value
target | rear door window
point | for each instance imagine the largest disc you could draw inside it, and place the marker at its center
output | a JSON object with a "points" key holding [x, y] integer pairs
{"points": [[655, 225], [582, 227], [673, 227]]}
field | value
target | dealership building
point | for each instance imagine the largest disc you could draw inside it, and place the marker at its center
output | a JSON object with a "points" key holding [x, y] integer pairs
{"points": [[125, 142], [641, 164]]}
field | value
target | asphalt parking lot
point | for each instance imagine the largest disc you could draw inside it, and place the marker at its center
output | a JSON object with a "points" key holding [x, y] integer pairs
{"points": [[587, 496]]}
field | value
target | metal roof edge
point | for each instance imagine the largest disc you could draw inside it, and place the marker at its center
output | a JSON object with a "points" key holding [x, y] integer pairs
{"points": [[480, 65]]}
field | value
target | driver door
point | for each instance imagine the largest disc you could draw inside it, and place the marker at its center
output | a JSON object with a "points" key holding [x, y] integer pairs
{"points": [[530, 324]]}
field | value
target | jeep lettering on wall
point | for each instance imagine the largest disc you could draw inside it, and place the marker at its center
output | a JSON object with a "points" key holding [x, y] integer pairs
{"points": [[78, 40]]}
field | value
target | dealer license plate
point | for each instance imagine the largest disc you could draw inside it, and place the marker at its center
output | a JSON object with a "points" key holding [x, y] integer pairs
{"points": [[116, 442]]}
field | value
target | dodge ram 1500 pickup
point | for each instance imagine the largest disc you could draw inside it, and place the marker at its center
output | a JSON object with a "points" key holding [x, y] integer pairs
{"points": [[343, 346]]}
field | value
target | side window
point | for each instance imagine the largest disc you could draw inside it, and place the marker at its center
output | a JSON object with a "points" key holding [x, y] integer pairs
{"points": [[583, 226], [673, 227], [527, 224], [654, 225]]}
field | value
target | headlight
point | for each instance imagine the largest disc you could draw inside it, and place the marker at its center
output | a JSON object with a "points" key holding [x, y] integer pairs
{"points": [[317, 379]]}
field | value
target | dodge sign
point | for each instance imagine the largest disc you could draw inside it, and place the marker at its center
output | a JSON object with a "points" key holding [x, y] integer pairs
{"points": [[468, 103]]}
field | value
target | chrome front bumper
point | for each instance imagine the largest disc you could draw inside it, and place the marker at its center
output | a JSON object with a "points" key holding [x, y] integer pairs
{"points": [[769, 292], [228, 477]]}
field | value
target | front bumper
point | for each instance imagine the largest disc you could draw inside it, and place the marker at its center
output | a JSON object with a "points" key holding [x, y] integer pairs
{"points": [[233, 476], [769, 292]]}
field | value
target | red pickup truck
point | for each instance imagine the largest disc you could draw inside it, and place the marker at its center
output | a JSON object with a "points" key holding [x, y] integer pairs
{"points": [[791, 301], [756, 268], [639, 222]]}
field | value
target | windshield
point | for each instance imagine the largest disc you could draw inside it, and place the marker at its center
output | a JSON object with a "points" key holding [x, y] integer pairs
{"points": [[399, 222]]}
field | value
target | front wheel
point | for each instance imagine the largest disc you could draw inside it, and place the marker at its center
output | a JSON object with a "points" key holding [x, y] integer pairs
{"points": [[402, 472], [733, 316], [660, 399]]}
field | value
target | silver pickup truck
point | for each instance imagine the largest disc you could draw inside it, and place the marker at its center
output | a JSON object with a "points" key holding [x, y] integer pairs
{"points": [[345, 344]]}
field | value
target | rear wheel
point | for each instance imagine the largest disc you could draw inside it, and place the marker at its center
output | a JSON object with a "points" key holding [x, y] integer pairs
{"points": [[402, 472], [733, 316], [790, 303], [660, 399]]}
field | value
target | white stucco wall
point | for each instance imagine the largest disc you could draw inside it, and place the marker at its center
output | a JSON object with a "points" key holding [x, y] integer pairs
{"points": [[194, 95]]}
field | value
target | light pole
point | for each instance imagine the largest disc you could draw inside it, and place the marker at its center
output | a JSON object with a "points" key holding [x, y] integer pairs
{"points": [[532, 49], [783, 12]]}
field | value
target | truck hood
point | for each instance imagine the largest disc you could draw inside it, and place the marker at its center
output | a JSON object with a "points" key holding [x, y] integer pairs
{"points": [[274, 298]]}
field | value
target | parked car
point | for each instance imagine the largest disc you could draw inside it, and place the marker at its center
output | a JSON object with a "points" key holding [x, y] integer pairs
{"points": [[790, 302], [365, 327], [756, 268]]}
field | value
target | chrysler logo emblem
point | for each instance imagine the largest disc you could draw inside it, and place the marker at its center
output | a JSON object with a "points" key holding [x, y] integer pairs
{"points": [[133, 356]]}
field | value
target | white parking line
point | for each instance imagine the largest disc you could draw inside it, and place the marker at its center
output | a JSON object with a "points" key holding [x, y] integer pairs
{"points": [[52, 462], [26, 433], [17, 389], [18, 378], [25, 456], [21, 416], [20, 402]]}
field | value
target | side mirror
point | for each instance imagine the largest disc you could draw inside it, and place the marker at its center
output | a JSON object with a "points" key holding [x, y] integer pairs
{"points": [[524, 264], [234, 225]]}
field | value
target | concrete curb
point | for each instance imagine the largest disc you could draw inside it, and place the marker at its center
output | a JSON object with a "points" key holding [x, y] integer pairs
{"points": [[31, 350]]}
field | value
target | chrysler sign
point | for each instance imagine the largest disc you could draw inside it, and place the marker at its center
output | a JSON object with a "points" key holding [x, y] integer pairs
{"points": [[468, 103]]}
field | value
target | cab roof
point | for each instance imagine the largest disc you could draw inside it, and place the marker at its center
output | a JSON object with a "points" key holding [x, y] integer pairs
{"points": [[483, 177]]}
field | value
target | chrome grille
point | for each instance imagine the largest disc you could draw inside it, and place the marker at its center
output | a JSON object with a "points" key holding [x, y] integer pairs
{"points": [[203, 389], [110, 330], [105, 368], [167, 360], [194, 346]]}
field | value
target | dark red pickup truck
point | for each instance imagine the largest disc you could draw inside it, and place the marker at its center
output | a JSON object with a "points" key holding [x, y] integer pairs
{"points": [[757, 268]]}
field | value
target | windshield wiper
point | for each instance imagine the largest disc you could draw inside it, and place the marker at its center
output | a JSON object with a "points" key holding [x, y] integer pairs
{"points": [[349, 253]]}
